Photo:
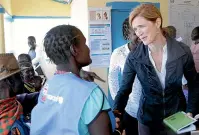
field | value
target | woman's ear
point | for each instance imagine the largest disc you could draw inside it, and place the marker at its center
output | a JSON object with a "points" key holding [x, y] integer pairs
{"points": [[158, 22], [73, 50]]}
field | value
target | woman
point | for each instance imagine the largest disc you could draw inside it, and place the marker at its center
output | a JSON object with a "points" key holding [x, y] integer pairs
{"points": [[68, 104], [117, 62], [195, 47], [32, 83], [159, 63]]}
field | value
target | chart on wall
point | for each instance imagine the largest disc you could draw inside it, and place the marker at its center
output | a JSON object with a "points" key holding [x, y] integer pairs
{"points": [[100, 36], [184, 15]]}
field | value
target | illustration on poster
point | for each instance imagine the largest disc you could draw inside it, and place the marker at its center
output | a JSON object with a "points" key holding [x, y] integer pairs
{"points": [[98, 16], [105, 16]]}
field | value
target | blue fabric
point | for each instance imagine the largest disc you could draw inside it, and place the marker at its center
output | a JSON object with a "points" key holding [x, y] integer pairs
{"points": [[61, 104], [96, 102], [32, 54], [20, 124]]}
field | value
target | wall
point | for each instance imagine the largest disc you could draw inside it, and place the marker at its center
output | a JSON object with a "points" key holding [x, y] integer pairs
{"points": [[102, 3], [8, 33], [2, 39], [7, 5], [79, 15], [163, 6], [39, 8]]}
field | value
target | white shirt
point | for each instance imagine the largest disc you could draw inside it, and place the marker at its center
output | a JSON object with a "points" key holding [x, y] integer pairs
{"points": [[179, 39], [117, 62], [162, 73], [37, 59]]}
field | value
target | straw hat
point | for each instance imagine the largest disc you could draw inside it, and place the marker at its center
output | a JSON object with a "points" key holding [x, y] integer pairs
{"points": [[8, 65]]}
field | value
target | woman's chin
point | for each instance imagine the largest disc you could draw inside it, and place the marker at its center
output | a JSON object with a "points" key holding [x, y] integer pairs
{"points": [[146, 42], [86, 64], [90, 62]]}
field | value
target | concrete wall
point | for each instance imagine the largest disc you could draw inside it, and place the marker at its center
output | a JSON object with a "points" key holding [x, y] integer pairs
{"points": [[39, 8]]}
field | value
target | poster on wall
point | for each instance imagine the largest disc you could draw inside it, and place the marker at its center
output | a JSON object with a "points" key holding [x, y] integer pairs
{"points": [[184, 16], [100, 36]]}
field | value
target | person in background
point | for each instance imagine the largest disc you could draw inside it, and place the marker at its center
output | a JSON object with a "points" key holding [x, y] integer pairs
{"points": [[32, 83], [195, 46], [86, 112], [159, 63], [32, 46], [117, 62], [35, 53], [34, 50], [171, 30], [11, 111]]}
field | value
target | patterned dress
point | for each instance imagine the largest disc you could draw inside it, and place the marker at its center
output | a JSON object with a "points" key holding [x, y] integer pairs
{"points": [[117, 62]]}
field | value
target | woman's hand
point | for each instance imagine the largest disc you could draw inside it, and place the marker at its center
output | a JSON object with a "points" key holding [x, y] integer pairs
{"points": [[118, 123], [189, 114]]}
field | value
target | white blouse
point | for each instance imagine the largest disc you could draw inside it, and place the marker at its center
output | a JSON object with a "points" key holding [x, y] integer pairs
{"points": [[117, 62]]}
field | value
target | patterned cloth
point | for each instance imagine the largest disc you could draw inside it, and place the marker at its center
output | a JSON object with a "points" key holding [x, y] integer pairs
{"points": [[10, 111], [117, 62]]}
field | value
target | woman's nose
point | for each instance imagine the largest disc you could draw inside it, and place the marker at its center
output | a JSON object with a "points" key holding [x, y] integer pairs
{"points": [[138, 33]]}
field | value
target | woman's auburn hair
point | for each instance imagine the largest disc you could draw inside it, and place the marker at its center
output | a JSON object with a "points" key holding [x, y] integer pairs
{"points": [[148, 11]]}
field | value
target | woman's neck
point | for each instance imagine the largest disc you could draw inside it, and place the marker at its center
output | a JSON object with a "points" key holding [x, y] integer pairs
{"points": [[69, 68], [158, 44], [131, 45]]}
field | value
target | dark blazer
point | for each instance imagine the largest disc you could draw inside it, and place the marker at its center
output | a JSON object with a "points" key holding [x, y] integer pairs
{"points": [[157, 103]]}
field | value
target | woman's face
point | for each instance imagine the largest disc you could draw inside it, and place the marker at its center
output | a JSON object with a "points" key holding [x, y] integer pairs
{"points": [[28, 74], [82, 52], [133, 37], [17, 83], [146, 30]]}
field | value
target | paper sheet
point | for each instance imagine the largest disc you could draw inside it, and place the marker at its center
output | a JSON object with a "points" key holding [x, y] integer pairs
{"points": [[184, 16]]}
